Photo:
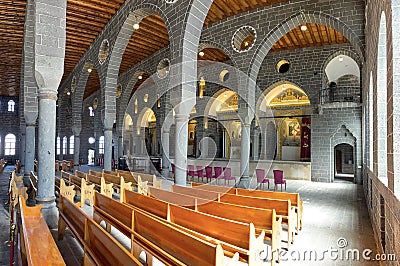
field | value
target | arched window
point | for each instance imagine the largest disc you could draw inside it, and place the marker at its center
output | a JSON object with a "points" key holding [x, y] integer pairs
{"points": [[11, 106], [101, 145], [91, 112], [58, 146], [9, 147], [71, 145], [65, 143]]}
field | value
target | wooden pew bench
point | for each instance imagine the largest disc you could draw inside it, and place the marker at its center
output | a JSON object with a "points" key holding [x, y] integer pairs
{"points": [[100, 248], [32, 190], [263, 219], [294, 198], [282, 207], [37, 246], [158, 238], [234, 237], [83, 189]]}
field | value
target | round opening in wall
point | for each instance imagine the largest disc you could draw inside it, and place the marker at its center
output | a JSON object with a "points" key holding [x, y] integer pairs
{"points": [[243, 39], [224, 75], [92, 140], [283, 66], [170, 1], [163, 68], [119, 91], [103, 52]]}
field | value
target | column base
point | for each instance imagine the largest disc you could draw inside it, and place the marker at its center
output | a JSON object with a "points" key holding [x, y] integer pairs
{"points": [[27, 179], [49, 211], [247, 182]]}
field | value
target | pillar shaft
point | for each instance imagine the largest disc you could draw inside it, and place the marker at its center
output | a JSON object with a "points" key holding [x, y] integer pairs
{"points": [[120, 147], [181, 143], [245, 155], [256, 143], [165, 154], [22, 148], [77, 147], [107, 148], [46, 174], [29, 151]]}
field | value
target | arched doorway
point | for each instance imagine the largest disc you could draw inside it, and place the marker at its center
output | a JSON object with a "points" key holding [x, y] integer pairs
{"points": [[344, 162]]}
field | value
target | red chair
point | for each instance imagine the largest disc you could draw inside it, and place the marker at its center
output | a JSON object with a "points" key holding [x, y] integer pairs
{"points": [[278, 179], [200, 173], [228, 175], [191, 172], [218, 173], [209, 174], [261, 180]]}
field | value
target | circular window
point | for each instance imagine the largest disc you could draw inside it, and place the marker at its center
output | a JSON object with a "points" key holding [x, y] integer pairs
{"points": [[163, 68], [283, 66], [170, 1], [103, 52], [92, 140], [243, 39], [73, 84], [224, 75]]}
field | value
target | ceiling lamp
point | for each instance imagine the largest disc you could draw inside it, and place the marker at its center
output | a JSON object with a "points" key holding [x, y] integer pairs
{"points": [[136, 26], [340, 59], [89, 70], [201, 53], [303, 27], [140, 77]]}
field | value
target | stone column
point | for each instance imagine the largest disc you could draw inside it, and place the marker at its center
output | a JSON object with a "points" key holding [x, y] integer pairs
{"points": [[77, 146], [256, 143], [165, 153], [47, 136], [107, 148], [245, 155], [181, 143], [29, 150], [120, 146], [22, 148]]}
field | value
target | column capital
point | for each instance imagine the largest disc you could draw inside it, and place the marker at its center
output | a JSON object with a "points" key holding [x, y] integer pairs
{"points": [[181, 117], [30, 124], [47, 95]]}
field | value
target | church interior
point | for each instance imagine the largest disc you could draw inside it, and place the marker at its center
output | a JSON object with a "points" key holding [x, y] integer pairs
{"points": [[167, 132]]}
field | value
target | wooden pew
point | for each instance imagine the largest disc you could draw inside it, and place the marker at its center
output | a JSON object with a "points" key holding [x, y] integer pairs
{"points": [[2, 165], [17, 166], [233, 236], [100, 248], [86, 191], [282, 207], [294, 198], [160, 238], [33, 181], [263, 219], [37, 244], [17, 189]]}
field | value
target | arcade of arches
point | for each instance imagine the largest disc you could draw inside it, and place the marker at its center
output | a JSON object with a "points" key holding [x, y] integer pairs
{"points": [[311, 91]]}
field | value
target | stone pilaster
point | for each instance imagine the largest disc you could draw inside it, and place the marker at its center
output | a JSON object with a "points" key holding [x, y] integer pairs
{"points": [[107, 148], [165, 153], [245, 156], [181, 142], [77, 146]]}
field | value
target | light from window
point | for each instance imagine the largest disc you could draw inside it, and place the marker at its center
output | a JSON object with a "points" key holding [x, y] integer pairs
{"points": [[11, 105], [91, 112], [9, 147], [65, 143], [71, 145], [58, 146], [101, 145]]}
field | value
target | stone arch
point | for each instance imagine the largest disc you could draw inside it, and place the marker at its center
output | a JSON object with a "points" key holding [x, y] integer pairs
{"points": [[295, 20], [214, 98], [381, 103], [136, 14], [342, 135], [204, 44]]}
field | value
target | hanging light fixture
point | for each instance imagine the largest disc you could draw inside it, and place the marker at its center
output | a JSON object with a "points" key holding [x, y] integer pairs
{"points": [[303, 27], [136, 26]]}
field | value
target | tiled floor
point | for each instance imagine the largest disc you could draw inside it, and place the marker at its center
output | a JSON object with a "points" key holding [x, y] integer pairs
{"points": [[332, 212]]}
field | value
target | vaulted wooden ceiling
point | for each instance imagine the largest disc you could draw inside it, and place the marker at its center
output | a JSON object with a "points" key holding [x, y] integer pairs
{"points": [[87, 18]]}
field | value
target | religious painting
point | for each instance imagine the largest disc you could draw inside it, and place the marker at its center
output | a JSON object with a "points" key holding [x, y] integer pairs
{"points": [[294, 129]]}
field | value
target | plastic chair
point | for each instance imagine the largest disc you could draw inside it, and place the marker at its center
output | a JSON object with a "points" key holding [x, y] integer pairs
{"points": [[218, 173], [261, 180], [209, 174], [200, 173], [228, 175], [278, 179]]}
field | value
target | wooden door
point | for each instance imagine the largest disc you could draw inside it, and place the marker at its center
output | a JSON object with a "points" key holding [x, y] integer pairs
{"points": [[338, 157]]}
